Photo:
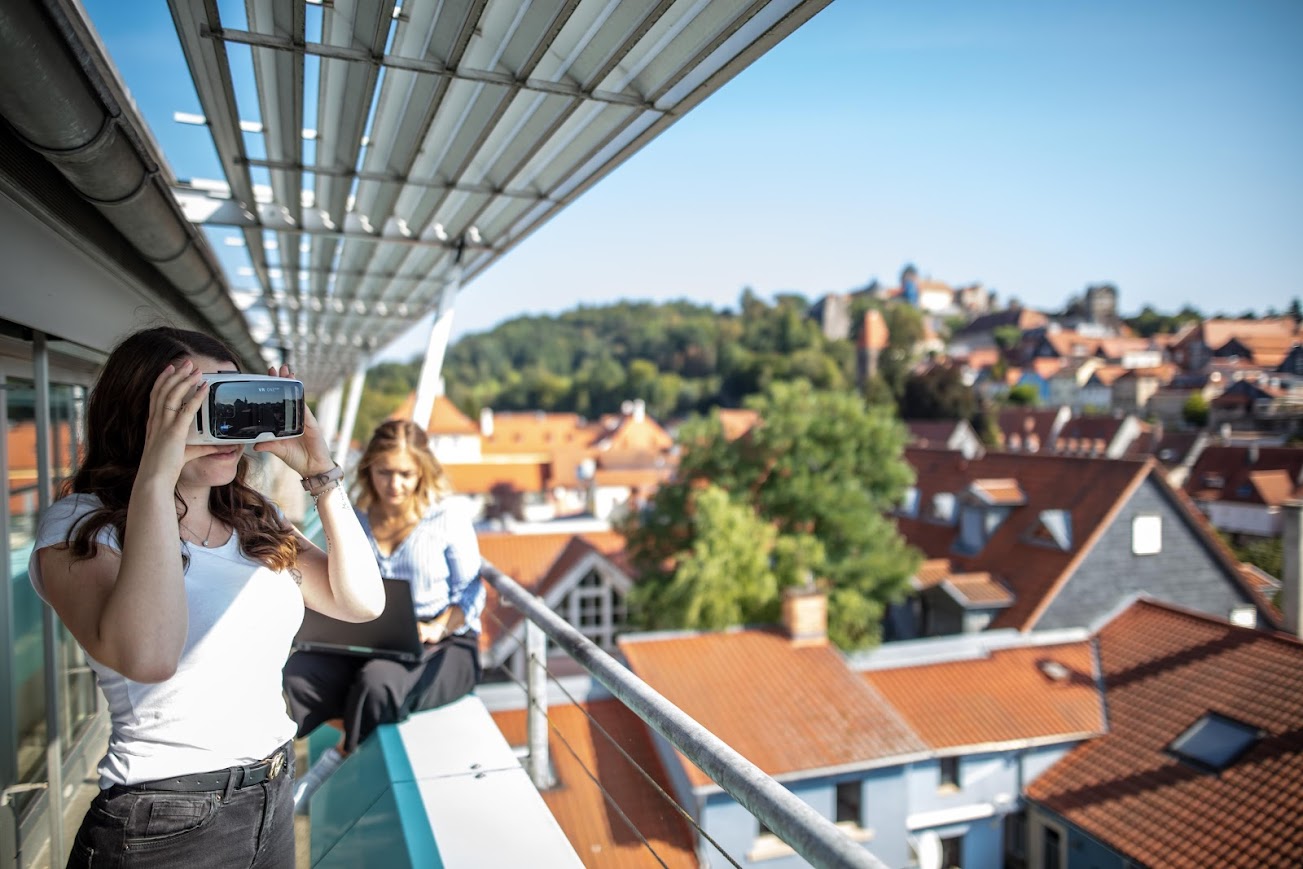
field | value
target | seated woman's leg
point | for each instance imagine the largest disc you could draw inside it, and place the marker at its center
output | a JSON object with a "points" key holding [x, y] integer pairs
{"points": [[449, 674], [317, 687], [376, 698]]}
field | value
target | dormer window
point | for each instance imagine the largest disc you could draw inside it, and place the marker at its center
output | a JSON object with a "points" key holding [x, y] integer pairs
{"points": [[1053, 528], [976, 525], [909, 503], [943, 507]]}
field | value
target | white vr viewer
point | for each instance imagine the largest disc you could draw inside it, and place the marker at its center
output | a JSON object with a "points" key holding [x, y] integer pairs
{"points": [[248, 408]]}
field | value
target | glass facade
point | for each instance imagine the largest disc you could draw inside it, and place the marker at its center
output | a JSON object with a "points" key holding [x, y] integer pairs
{"points": [[42, 420]]}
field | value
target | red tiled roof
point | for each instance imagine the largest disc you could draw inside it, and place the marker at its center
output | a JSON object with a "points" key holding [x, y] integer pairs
{"points": [[1265, 350], [980, 589], [1163, 669], [1091, 428], [537, 562], [932, 571], [1232, 469], [537, 432], [1090, 489], [631, 435], [481, 478], [736, 421], [1215, 333], [787, 709], [1003, 491], [600, 836], [1027, 422], [1011, 695], [930, 432]]}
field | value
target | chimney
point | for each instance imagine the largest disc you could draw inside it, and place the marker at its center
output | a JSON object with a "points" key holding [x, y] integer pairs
{"points": [[1291, 583], [805, 615], [486, 422]]}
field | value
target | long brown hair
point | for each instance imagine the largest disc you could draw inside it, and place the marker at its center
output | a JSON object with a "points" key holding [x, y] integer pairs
{"points": [[115, 414], [402, 436]]}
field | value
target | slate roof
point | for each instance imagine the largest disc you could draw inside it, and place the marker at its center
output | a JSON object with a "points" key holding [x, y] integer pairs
{"points": [[1039, 692], [807, 712], [578, 746], [1164, 668], [1090, 489]]}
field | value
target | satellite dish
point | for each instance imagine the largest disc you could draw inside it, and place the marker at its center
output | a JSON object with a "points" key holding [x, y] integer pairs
{"points": [[928, 847]]}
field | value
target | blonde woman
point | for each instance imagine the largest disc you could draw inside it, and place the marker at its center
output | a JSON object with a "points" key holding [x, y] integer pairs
{"points": [[419, 535]]}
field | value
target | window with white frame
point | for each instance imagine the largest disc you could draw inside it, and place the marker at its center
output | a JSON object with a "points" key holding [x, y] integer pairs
{"points": [[596, 609], [1147, 535]]}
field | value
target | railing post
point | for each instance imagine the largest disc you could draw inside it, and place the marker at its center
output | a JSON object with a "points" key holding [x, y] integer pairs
{"points": [[536, 705]]}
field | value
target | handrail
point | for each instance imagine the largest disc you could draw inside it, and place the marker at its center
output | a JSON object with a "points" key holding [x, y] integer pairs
{"points": [[811, 835]]}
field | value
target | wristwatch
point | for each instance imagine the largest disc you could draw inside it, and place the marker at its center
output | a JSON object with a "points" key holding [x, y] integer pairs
{"points": [[316, 481]]}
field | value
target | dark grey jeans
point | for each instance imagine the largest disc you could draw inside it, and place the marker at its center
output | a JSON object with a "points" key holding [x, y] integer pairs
{"points": [[136, 828]]}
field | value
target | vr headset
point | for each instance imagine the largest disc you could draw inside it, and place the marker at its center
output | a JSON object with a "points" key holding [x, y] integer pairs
{"points": [[248, 408]]}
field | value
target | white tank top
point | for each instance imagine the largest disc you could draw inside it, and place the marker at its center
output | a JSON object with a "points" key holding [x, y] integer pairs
{"points": [[224, 705]]}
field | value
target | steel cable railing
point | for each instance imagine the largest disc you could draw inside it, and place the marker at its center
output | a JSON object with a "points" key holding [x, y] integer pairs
{"points": [[809, 834], [533, 703]]}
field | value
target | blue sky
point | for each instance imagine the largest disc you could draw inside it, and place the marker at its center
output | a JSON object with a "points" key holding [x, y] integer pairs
{"points": [[1035, 147]]}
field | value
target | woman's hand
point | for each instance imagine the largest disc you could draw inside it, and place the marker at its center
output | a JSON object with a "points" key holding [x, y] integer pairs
{"points": [[309, 454], [177, 395], [432, 632]]}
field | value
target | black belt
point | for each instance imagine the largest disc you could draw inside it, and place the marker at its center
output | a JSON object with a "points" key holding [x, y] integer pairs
{"points": [[236, 777]]}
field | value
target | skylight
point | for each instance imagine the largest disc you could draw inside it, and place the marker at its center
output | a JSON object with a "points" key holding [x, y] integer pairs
{"points": [[1214, 742]]}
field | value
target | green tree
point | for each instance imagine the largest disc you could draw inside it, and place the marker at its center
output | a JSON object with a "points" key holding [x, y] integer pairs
{"points": [[1006, 337], [1195, 410], [938, 393], [1023, 395], [823, 468], [723, 577]]}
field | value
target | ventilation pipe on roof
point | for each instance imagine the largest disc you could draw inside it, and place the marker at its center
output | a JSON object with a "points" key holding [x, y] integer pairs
{"points": [[53, 107], [1291, 583]]}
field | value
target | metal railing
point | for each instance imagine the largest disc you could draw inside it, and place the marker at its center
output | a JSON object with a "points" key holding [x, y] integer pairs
{"points": [[809, 834]]}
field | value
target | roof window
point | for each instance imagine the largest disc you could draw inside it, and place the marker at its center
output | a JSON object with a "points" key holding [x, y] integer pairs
{"points": [[1214, 742], [1054, 528]]}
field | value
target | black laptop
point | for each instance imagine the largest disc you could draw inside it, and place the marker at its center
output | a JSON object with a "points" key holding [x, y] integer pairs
{"points": [[393, 635]]}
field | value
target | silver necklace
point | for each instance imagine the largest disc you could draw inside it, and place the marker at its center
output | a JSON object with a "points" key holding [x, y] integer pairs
{"points": [[207, 535]]}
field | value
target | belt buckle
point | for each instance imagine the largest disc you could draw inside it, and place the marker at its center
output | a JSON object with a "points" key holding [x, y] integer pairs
{"points": [[277, 764]]}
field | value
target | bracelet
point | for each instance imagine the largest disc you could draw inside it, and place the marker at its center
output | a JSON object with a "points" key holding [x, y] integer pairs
{"points": [[316, 496], [318, 482]]}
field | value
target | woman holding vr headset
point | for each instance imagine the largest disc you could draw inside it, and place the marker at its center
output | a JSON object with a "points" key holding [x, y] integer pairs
{"points": [[185, 586], [421, 536]]}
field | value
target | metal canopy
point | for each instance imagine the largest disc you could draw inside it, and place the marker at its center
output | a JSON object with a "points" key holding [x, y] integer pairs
{"points": [[438, 124]]}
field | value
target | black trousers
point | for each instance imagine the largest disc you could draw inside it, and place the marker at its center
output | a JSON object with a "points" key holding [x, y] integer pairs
{"points": [[367, 692]]}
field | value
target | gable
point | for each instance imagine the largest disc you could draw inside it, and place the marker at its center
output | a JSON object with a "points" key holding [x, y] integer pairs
{"points": [[1186, 570]]}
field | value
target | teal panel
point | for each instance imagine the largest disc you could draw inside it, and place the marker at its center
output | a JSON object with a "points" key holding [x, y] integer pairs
{"points": [[361, 780], [394, 832]]}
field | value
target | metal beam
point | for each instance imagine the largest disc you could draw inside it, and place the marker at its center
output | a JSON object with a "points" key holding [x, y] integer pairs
{"points": [[433, 67], [430, 183]]}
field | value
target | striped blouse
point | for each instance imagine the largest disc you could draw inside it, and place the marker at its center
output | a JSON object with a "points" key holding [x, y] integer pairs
{"points": [[441, 559]]}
